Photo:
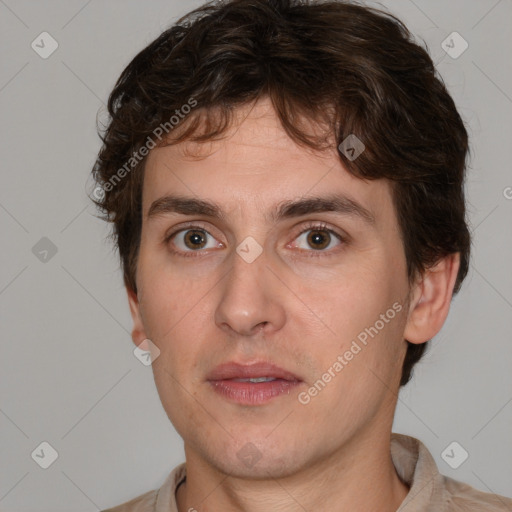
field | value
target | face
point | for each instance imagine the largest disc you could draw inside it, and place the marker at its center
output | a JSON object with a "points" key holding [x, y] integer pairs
{"points": [[319, 292]]}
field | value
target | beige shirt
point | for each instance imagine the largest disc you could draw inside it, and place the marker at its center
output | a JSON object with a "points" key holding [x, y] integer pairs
{"points": [[429, 490]]}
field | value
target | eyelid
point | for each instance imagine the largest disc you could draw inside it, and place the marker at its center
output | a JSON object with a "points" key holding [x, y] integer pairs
{"points": [[183, 226], [320, 226]]}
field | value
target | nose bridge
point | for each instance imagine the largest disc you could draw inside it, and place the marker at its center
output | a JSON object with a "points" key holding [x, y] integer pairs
{"points": [[249, 295]]}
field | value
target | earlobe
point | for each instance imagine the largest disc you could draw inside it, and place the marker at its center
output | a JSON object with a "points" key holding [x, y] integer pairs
{"points": [[431, 300], [138, 331]]}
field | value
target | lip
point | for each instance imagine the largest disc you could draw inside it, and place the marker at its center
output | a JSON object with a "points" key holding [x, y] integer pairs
{"points": [[234, 370], [249, 393]]}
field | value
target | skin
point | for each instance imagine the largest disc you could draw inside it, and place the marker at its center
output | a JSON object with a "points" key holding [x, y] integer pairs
{"points": [[296, 306]]}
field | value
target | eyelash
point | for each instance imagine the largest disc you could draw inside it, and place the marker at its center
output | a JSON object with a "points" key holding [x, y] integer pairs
{"points": [[310, 226]]}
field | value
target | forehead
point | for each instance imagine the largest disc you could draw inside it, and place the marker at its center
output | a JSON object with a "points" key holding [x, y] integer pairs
{"points": [[255, 167]]}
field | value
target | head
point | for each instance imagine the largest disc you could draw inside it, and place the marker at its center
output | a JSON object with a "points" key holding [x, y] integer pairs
{"points": [[248, 106]]}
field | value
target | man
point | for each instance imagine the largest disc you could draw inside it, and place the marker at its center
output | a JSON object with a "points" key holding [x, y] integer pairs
{"points": [[285, 181]]}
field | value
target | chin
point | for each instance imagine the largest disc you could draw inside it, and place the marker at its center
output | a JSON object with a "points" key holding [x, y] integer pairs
{"points": [[257, 463]]}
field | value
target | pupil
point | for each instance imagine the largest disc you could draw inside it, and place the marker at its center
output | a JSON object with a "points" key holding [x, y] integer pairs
{"points": [[194, 239], [316, 237]]}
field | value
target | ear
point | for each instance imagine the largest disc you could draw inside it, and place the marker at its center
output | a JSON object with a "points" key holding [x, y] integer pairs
{"points": [[138, 331], [431, 298]]}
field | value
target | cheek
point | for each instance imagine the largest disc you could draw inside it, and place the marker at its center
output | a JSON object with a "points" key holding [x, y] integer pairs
{"points": [[169, 297], [174, 307], [365, 316], [175, 323], [348, 303]]}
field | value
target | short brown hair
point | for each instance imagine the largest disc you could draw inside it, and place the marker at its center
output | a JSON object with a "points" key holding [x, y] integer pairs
{"points": [[354, 68]]}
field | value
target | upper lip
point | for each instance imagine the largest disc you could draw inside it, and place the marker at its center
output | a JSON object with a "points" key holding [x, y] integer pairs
{"points": [[234, 370]]}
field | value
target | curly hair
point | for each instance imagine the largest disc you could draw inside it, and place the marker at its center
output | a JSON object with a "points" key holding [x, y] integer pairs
{"points": [[354, 69]]}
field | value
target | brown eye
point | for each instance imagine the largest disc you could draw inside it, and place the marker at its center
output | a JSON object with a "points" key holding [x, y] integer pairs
{"points": [[319, 239], [190, 241], [195, 239]]}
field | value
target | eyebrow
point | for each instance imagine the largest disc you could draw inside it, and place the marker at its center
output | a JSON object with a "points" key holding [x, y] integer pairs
{"points": [[337, 203]]}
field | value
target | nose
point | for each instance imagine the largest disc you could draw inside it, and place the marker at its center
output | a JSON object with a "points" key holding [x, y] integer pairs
{"points": [[251, 298]]}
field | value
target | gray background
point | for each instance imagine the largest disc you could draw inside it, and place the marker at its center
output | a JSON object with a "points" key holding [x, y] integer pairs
{"points": [[68, 372]]}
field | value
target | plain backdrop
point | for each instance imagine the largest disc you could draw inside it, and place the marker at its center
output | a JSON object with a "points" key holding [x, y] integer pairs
{"points": [[68, 373]]}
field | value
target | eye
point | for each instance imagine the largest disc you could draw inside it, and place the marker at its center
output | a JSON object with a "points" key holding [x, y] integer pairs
{"points": [[320, 238], [190, 240]]}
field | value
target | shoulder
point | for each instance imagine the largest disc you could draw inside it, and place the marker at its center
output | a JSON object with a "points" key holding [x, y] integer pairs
{"points": [[430, 490], [143, 503], [459, 496], [160, 499]]}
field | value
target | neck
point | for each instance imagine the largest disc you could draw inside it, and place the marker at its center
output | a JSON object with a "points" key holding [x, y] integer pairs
{"points": [[361, 478]]}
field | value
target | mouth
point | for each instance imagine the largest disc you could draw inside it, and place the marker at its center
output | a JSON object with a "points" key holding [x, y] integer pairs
{"points": [[254, 384]]}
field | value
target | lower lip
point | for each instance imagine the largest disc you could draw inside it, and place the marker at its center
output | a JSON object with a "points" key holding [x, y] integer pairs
{"points": [[253, 393]]}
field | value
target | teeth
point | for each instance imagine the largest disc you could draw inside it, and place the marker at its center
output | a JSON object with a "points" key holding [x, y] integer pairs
{"points": [[256, 380]]}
